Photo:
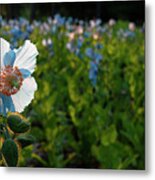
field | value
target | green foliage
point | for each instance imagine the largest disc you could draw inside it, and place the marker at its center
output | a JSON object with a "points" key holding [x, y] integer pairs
{"points": [[10, 152], [78, 125], [11, 139], [17, 123], [25, 140], [109, 135]]}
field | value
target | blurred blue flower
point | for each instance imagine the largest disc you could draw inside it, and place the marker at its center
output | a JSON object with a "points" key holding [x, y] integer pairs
{"points": [[89, 52], [93, 71], [69, 20], [54, 29], [93, 55], [79, 42], [29, 29], [16, 32], [128, 33], [94, 63], [59, 20], [98, 57], [87, 34]]}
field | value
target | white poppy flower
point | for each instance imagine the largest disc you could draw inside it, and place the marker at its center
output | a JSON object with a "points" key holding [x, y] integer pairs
{"points": [[17, 87]]}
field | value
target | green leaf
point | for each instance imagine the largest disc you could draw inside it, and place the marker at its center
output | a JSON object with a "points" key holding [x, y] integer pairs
{"points": [[10, 152], [72, 112], [109, 135], [25, 140], [17, 123], [72, 88], [114, 156]]}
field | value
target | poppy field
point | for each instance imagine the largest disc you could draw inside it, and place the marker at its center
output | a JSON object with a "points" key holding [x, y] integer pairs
{"points": [[88, 108]]}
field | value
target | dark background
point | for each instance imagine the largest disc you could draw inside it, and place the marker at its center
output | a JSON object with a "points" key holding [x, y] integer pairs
{"points": [[126, 10]]}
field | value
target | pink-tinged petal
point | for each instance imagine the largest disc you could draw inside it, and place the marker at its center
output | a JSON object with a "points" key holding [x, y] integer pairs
{"points": [[4, 48], [25, 95], [26, 56]]}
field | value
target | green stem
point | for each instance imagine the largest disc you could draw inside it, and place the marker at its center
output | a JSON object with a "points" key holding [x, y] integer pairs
{"points": [[4, 131]]}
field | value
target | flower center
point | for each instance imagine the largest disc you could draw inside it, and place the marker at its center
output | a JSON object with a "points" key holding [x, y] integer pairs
{"points": [[10, 80]]}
